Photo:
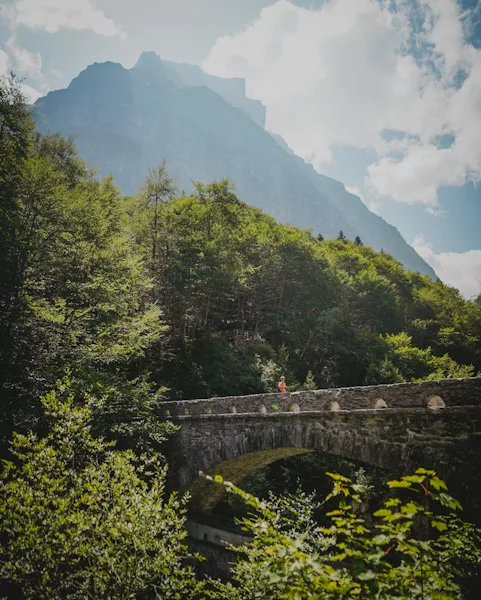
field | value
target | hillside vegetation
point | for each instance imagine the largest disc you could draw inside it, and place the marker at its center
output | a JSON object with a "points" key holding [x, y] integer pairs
{"points": [[336, 310]]}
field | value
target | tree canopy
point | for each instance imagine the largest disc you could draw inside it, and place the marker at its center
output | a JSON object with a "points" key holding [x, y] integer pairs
{"points": [[245, 293]]}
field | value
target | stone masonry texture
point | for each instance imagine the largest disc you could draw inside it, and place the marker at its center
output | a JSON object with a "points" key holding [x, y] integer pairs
{"points": [[435, 424]]}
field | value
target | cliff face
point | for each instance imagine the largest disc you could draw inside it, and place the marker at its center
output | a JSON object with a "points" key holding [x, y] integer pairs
{"points": [[232, 90], [125, 121]]}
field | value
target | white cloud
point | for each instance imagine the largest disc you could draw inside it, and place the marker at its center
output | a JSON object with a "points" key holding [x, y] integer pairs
{"points": [[5, 64], [437, 212], [31, 93], [54, 15], [415, 178], [462, 270], [27, 63], [346, 73]]}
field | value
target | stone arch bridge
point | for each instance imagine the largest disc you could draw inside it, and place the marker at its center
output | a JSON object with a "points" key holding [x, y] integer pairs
{"points": [[434, 424]]}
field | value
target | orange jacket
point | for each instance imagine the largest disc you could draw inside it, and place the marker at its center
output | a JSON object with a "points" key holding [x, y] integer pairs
{"points": [[282, 386]]}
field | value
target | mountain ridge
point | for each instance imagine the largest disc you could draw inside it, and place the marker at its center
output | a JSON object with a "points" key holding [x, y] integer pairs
{"points": [[126, 120]]}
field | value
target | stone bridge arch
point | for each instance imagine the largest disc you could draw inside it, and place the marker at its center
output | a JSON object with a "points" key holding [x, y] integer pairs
{"points": [[398, 427]]}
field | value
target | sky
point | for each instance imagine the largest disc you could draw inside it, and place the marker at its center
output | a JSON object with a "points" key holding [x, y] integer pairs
{"points": [[383, 95]]}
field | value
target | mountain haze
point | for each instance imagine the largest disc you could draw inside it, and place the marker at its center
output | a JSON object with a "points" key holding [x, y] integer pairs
{"points": [[127, 120]]}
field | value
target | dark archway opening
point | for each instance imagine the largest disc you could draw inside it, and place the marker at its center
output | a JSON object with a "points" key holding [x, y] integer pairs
{"points": [[281, 472]]}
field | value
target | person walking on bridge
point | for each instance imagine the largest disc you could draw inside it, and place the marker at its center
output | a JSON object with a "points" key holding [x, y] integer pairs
{"points": [[282, 384]]}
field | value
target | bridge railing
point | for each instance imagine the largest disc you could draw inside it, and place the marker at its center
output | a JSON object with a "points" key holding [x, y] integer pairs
{"points": [[427, 394]]}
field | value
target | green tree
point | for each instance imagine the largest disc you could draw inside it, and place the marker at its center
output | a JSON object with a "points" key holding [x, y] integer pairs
{"points": [[16, 128], [341, 237], [358, 241], [157, 188], [81, 519], [75, 293], [84, 301], [62, 155], [310, 382], [400, 361]]}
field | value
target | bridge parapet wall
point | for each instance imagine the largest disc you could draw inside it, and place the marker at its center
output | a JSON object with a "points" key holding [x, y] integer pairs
{"points": [[427, 394]]}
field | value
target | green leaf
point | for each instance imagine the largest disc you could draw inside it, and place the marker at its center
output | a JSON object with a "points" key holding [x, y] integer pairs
{"points": [[439, 525], [438, 484], [366, 575], [399, 484]]}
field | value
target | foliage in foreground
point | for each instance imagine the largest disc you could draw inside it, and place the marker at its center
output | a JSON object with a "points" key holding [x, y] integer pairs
{"points": [[416, 546], [81, 519]]}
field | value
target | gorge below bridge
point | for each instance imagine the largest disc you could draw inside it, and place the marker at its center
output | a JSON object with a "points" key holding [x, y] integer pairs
{"points": [[397, 427]]}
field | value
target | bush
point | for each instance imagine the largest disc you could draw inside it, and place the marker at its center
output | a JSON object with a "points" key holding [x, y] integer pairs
{"points": [[81, 519], [417, 547]]}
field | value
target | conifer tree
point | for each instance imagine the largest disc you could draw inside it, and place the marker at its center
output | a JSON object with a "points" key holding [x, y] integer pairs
{"points": [[310, 382]]}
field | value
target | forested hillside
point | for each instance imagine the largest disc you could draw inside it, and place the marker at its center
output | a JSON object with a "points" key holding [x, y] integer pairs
{"points": [[349, 315], [115, 302]]}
